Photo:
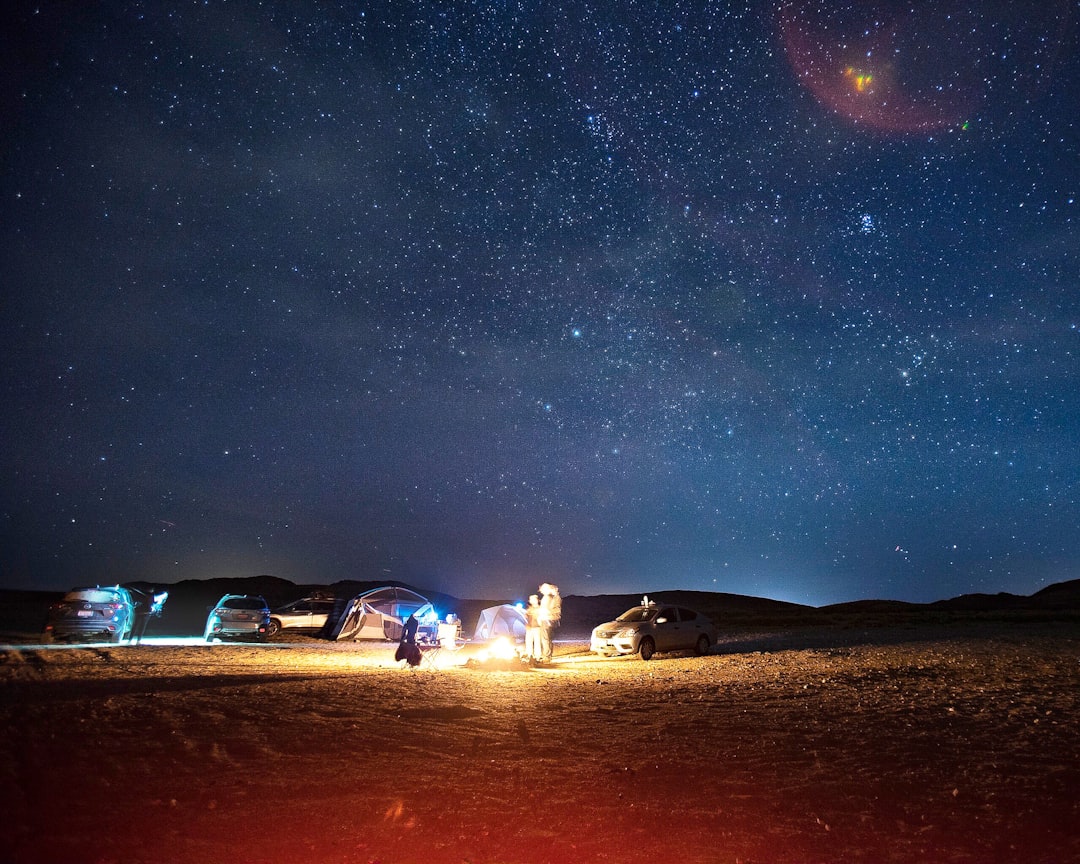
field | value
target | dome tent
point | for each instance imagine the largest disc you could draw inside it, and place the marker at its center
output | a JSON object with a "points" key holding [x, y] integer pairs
{"points": [[504, 620]]}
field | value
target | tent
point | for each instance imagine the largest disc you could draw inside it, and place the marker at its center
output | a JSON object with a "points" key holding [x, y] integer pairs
{"points": [[380, 614], [505, 620]]}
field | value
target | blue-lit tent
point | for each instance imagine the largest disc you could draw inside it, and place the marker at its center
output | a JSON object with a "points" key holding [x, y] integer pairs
{"points": [[380, 614]]}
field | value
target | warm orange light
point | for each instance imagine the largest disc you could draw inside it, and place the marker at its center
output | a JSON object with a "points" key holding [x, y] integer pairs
{"points": [[501, 649]]}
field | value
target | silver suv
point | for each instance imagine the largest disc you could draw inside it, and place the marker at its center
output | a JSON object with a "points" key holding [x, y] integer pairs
{"points": [[101, 612], [238, 615], [652, 627], [307, 614]]}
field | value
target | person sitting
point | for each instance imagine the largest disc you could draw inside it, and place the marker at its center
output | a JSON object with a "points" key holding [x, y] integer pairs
{"points": [[407, 649]]}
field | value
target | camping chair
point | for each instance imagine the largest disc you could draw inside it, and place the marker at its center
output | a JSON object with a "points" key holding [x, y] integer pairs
{"points": [[447, 638]]}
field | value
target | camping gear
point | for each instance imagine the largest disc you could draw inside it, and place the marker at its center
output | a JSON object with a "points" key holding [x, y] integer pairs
{"points": [[447, 638]]}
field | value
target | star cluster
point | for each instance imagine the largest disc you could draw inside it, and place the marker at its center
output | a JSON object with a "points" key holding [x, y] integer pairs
{"points": [[625, 296]]}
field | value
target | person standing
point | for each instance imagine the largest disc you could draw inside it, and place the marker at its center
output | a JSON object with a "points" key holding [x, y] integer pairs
{"points": [[533, 644], [550, 616]]}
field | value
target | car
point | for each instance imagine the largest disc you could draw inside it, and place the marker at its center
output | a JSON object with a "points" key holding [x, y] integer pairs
{"points": [[309, 613], [652, 627], [240, 616], [98, 612]]}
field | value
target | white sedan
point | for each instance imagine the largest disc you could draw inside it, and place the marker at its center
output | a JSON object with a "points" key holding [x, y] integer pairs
{"points": [[644, 630]]}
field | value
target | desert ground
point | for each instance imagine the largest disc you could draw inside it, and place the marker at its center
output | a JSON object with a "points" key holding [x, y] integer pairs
{"points": [[918, 744]]}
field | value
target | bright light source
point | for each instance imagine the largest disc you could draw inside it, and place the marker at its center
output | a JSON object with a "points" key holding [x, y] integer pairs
{"points": [[501, 649]]}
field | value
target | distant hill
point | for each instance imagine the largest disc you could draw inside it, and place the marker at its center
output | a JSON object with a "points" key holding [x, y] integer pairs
{"points": [[874, 607], [1063, 595], [1061, 600]]}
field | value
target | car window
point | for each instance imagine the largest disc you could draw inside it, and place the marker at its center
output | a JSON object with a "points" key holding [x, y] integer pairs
{"points": [[687, 614], [94, 595], [243, 603], [638, 613], [669, 613]]}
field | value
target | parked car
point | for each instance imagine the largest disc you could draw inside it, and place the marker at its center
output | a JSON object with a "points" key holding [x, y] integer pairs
{"points": [[238, 615], [646, 629], [100, 612], [307, 614]]}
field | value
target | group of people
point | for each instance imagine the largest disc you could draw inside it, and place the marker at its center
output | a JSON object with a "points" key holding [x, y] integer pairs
{"points": [[542, 616]]}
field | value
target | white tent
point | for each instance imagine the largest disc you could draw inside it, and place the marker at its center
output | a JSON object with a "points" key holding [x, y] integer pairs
{"points": [[380, 614], [505, 620]]}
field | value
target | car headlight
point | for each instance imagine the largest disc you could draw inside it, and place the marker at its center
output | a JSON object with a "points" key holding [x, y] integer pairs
{"points": [[626, 633]]}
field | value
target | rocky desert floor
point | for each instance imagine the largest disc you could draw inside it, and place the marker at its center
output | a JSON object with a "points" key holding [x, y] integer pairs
{"points": [[945, 744]]}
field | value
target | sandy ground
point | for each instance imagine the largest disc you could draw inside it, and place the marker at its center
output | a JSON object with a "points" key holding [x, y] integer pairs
{"points": [[803, 746]]}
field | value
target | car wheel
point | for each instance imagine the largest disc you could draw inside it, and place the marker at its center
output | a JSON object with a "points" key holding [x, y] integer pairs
{"points": [[702, 646], [647, 648], [274, 628], [117, 637]]}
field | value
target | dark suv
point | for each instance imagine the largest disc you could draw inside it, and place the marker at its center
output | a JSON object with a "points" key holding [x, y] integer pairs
{"points": [[100, 612], [244, 616]]}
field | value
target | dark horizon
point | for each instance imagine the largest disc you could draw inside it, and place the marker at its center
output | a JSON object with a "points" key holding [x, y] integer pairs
{"points": [[1067, 590]]}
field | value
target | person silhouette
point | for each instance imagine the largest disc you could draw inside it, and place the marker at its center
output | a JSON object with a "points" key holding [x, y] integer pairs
{"points": [[533, 643], [407, 649], [550, 616]]}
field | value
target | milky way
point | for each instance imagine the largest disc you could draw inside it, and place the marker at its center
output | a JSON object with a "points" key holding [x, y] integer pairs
{"points": [[776, 299]]}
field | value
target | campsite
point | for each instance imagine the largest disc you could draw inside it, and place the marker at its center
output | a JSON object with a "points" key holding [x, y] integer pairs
{"points": [[869, 736]]}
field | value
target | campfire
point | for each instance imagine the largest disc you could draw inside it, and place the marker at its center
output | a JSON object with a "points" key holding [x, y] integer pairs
{"points": [[501, 655]]}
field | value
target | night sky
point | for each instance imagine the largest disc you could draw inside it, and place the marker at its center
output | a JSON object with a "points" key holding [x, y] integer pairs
{"points": [[779, 299]]}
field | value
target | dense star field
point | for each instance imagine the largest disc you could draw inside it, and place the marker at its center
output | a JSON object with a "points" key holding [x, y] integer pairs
{"points": [[774, 298]]}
